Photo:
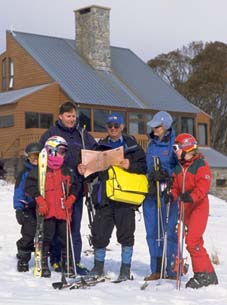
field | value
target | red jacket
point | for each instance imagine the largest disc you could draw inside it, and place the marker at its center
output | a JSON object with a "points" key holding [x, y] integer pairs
{"points": [[55, 179], [194, 176]]}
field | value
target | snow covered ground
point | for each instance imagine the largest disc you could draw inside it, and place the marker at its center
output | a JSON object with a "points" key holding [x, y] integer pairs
{"points": [[23, 288]]}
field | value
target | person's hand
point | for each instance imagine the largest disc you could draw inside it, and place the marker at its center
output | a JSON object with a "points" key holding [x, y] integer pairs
{"points": [[168, 198], [124, 164], [158, 175], [69, 201], [81, 168], [20, 216], [186, 197], [42, 205]]}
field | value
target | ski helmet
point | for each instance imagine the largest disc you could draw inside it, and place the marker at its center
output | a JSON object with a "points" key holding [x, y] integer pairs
{"points": [[32, 148], [186, 142], [56, 144], [161, 118]]}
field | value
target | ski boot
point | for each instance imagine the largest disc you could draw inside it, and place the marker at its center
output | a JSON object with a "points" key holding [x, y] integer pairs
{"points": [[202, 279]]}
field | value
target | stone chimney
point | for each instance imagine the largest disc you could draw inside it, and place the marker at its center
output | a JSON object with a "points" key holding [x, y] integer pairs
{"points": [[93, 36]]}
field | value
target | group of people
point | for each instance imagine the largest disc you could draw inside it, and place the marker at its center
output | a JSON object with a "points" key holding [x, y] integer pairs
{"points": [[177, 174]]}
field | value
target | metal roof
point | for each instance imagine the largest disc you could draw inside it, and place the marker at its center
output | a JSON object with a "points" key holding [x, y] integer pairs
{"points": [[131, 84], [213, 157], [13, 96]]}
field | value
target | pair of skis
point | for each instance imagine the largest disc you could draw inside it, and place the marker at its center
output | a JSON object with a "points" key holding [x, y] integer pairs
{"points": [[42, 166]]}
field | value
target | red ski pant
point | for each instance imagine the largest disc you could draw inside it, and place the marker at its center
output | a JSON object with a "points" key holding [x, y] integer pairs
{"points": [[196, 217]]}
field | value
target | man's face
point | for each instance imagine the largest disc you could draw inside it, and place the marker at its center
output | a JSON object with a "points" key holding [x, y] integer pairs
{"points": [[68, 118], [114, 130]]}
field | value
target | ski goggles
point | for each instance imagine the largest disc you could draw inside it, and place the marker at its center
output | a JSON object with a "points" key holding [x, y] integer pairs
{"points": [[60, 150], [177, 147]]}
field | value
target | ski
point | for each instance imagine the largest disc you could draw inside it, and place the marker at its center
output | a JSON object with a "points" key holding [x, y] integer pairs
{"points": [[117, 281], [180, 266], [42, 165], [79, 282], [144, 285]]}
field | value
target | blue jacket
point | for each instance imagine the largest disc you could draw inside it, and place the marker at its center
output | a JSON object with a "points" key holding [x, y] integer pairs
{"points": [[19, 196], [162, 149]]}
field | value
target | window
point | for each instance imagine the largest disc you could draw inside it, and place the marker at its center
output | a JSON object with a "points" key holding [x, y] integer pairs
{"points": [[4, 74], [100, 116], [137, 123], [187, 125], [202, 134], [11, 74], [221, 182], [85, 118], [7, 120], [38, 120]]}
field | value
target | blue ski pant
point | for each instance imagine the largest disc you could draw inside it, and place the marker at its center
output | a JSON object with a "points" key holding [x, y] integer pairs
{"points": [[150, 212]]}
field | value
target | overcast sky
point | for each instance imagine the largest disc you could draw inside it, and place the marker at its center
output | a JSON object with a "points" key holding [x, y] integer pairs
{"points": [[147, 27]]}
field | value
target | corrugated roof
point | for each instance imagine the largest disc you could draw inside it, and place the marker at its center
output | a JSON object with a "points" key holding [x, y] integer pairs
{"points": [[14, 95], [131, 84], [213, 157]]}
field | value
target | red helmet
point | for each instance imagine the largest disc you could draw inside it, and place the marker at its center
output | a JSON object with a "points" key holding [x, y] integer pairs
{"points": [[186, 142]]}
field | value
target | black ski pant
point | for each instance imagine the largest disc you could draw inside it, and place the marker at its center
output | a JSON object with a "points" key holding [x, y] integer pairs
{"points": [[116, 214], [54, 226], [27, 220]]}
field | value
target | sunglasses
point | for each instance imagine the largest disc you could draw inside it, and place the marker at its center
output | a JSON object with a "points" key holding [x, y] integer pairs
{"points": [[33, 157], [61, 150], [115, 125], [157, 126], [177, 147]]}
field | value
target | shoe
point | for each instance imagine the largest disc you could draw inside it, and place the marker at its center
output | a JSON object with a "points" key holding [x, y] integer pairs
{"points": [[98, 269], [153, 277], [56, 267], [202, 279], [81, 270], [22, 266], [171, 277], [124, 273]]}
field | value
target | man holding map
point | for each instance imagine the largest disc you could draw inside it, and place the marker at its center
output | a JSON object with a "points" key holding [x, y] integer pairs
{"points": [[129, 155]]}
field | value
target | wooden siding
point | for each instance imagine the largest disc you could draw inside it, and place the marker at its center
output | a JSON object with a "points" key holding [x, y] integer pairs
{"points": [[14, 139], [27, 72]]}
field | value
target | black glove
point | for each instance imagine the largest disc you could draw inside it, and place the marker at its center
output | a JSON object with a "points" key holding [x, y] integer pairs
{"points": [[158, 175], [186, 197], [168, 197], [20, 216]]}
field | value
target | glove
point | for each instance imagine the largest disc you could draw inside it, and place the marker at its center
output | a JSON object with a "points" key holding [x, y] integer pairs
{"points": [[158, 175], [168, 198], [69, 201], [152, 188], [42, 205], [20, 216], [186, 197]]}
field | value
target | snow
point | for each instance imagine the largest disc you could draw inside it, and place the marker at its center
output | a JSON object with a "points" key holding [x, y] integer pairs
{"points": [[23, 288]]}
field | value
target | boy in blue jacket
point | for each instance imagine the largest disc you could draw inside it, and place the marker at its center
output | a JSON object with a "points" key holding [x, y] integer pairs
{"points": [[26, 209]]}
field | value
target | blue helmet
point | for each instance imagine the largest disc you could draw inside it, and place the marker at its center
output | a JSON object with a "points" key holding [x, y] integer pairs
{"points": [[161, 118]]}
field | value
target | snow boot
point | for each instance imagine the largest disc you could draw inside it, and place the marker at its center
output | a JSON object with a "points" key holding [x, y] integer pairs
{"points": [[23, 259], [45, 268], [98, 269], [81, 270], [202, 279], [124, 272]]}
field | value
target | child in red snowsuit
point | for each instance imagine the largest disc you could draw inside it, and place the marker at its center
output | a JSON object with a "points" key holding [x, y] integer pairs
{"points": [[60, 193], [192, 179]]}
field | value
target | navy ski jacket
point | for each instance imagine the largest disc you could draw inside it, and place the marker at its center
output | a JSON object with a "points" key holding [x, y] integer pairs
{"points": [[20, 199]]}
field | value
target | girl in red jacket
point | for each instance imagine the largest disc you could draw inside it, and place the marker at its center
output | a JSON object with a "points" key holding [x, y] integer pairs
{"points": [[192, 179], [60, 193]]}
